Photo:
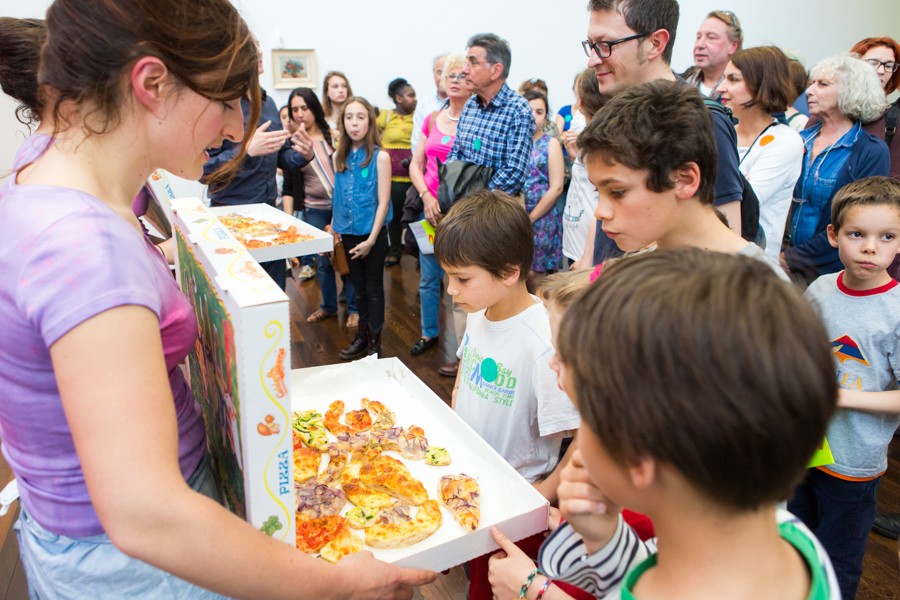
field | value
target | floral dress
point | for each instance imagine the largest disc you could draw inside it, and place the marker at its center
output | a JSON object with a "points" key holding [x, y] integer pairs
{"points": [[547, 229]]}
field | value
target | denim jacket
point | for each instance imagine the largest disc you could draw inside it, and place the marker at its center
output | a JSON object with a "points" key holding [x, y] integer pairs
{"points": [[356, 195], [855, 156]]}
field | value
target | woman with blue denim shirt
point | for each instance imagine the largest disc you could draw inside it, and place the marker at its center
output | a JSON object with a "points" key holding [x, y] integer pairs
{"points": [[844, 93], [361, 205]]}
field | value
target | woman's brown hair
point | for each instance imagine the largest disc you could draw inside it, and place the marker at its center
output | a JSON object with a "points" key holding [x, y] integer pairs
{"points": [[91, 44], [326, 101], [20, 49], [767, 75], [372, 140]]}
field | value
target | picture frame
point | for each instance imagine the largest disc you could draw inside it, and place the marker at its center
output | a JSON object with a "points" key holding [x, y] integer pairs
{"points": [[294, 68]]}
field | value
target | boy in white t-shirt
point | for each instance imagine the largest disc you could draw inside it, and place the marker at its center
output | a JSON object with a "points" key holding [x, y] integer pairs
{"points": [[505, 389]]}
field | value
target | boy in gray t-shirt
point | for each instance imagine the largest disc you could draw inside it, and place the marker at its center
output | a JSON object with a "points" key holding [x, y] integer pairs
{"points": [[860, 307]]}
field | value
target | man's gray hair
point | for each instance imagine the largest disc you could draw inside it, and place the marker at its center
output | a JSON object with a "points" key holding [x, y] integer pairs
{"points": [[496, 50]]}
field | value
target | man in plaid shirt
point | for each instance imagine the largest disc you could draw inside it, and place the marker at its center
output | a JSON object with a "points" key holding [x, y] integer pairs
{"points": [[496, 127]]}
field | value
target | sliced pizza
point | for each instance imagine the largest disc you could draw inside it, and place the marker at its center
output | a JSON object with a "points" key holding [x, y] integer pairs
{"points": [[333, 418], [314, 533], [346, 542], [317, 500], [460, 495], [400, 532], [437, 457], [383, 418], [306, 462], [359, 420], [410, 442], [337, 460], [359, 494], [389, 475], [310, 427]]}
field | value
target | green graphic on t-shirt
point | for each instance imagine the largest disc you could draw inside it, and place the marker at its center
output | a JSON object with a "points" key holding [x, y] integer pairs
{"points": [[488, 379]]}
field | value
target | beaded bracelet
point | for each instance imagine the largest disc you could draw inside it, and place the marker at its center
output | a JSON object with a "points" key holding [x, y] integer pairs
{"points": [[528, 580], [543, 589]]}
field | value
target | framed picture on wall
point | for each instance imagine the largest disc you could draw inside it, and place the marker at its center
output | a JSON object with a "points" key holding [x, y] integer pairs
{"points": [[294, 68]]}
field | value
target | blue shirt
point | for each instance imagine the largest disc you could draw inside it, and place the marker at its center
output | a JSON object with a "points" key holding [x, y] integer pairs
{"points": [[815, 188], [255, 182], [355, 197], [498, 135], [866, 156]]}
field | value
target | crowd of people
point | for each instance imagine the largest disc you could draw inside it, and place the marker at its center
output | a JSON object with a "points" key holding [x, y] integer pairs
{"points": [[691, 277]]}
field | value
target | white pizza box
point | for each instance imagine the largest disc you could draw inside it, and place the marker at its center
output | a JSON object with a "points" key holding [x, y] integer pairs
{"points": [[507, 499], [239, 368], [321, 242]]}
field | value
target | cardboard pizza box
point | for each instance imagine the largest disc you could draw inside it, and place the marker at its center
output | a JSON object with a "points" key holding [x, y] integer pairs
{"points": [[238, 368], [507, 500], [321, 242]]}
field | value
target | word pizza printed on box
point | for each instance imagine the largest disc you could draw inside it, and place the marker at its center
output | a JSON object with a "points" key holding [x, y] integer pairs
{"points": [[382, 464], [237, 368]]}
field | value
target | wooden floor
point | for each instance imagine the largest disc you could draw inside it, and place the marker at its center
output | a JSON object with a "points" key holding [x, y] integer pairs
{"points": [[318, 344]]}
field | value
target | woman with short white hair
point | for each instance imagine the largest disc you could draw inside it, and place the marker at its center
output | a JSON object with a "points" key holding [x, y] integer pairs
{"points": [[843, 94]]}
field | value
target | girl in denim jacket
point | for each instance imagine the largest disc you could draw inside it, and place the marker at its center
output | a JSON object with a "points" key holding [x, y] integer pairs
{"points": [[361, 205]]}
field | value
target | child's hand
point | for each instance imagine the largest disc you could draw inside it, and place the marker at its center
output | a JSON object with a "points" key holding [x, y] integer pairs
{"points": [[361, 250], [584, 506], [507, 569], [264, 142]]}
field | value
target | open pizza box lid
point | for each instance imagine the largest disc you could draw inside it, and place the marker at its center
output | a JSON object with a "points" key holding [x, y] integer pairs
{"points": [[507, 500], [234, 267], [320, 242]]}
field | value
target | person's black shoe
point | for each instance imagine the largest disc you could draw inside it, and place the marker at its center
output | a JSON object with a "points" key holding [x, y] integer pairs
{"points": [[374, 344], [422, 345], [357, 347], [888, 525]]}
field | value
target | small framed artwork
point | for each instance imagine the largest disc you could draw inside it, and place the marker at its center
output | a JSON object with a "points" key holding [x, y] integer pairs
{"points": [[294, 68]]}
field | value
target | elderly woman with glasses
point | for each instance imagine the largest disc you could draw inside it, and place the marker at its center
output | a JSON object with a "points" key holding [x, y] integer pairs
{"points": [[438, 134], [843, 94]]}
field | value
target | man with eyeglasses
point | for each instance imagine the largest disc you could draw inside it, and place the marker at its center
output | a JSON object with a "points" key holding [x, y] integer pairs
{"points": [[718, 38], [496, 126], [630, 42]]}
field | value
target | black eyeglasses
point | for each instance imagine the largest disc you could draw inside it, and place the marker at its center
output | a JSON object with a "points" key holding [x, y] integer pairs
{"points": [[604, 49], [889, 66]]}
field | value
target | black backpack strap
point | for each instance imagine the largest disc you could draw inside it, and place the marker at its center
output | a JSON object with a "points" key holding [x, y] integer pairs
{"points": [[890, 121], [716, 106]]}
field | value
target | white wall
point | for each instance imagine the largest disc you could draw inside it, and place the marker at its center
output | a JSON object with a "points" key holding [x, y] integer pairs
{"points": [[375, 41]]}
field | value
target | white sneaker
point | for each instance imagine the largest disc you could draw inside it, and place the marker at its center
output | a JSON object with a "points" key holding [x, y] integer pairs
{"points": [[307, 272]]}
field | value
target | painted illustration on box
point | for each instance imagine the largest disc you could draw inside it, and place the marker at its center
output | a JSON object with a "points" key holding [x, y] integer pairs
{"points": [[214, 377]]}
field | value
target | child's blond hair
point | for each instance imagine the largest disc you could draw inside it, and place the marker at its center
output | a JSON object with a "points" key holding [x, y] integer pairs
{"points": [[562, 289]]}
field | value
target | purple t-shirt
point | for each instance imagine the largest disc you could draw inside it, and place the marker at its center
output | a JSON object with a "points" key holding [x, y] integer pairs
{"points": [[68, 258]]}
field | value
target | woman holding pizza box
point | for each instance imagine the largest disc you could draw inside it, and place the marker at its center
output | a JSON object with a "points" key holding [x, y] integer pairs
{"points": [[96, 418]]}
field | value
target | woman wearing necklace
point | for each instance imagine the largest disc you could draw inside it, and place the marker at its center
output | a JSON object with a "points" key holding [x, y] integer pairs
{"points": [[757, 85], [844, 93], [438, 133]]}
